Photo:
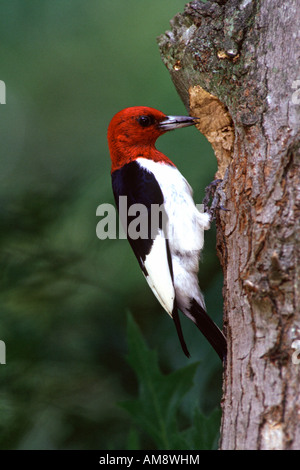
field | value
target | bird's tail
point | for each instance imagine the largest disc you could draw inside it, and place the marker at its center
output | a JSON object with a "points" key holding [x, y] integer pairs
{"points": [[175, 316], [208, 328]]}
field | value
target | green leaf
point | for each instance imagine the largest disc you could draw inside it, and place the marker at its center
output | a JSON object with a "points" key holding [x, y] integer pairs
{"points": [[133, 440], [156, 408], [205, 432]]}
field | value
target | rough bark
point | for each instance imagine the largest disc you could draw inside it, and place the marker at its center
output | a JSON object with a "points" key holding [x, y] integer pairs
{"points": [[235, 64]]}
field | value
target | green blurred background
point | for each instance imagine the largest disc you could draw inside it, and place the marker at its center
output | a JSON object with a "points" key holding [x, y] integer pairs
{"points": [[69, 66]]}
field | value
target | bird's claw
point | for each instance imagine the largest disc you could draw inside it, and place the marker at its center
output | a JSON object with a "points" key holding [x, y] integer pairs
{"points": [[215, 192]]}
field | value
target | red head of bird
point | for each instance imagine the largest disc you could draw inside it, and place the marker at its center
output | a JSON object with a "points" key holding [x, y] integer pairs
{"points": [[132, 133]]}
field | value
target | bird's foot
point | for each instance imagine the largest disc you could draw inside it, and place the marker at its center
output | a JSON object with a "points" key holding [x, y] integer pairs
{"points": [[215, 192]]}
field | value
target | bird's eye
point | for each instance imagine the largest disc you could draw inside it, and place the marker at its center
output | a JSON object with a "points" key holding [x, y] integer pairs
{"points": [[145, 121]]}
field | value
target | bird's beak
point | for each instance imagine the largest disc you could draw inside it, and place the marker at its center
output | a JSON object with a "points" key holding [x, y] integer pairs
{"points": [[175, 122]]}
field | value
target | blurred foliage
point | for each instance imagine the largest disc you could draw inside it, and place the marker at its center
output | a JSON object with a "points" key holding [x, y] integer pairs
{"points": [[68, 68]]}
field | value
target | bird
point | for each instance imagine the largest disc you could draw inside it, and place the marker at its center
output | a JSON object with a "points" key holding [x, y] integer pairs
{"points": [[169, 250]]}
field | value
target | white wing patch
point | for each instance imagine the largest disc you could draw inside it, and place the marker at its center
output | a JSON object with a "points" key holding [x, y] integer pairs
{"points": [[185, 231], [159, 277]]}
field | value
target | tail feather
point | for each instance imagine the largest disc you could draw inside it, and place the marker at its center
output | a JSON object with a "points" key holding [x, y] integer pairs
{"points": [[208, 328], [176, 319]]}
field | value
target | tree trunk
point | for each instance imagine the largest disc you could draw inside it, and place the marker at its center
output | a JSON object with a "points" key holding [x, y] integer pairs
{"points": [[235, 65]]}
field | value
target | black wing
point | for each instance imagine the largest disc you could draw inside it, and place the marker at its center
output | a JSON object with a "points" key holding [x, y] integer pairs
{"points": [[141, 187]]}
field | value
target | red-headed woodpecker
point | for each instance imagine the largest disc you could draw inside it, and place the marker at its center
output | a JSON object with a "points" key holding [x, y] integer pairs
{"points": [[169, 255]]}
